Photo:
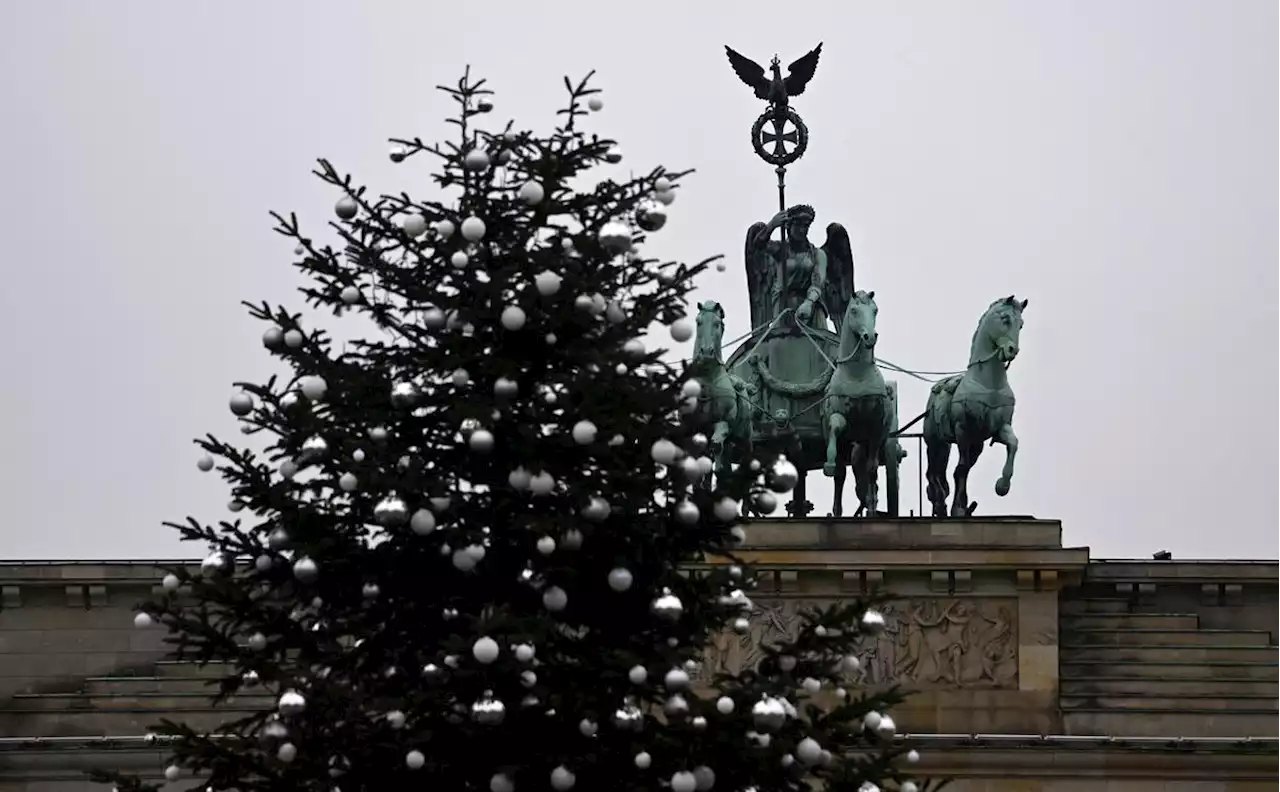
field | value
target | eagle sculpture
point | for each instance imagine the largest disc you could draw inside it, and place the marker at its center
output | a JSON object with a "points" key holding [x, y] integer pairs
{"points": [[775, 89]]}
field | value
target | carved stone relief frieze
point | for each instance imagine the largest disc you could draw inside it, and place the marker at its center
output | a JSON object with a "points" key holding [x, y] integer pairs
{"points": [[928, 643]]}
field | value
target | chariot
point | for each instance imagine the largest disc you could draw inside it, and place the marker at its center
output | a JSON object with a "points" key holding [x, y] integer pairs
{"points": [[788, 416], [806, 382]]}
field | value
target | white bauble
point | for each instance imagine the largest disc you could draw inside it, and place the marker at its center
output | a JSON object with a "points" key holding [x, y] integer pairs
{"points": [[620, 579], [542, 483], [485, 650], [615, 237], [562, 779], [313, 387], [481, 440], [346, 207], [422, 522], [683, 781], [726, 509], [547, 283], [554, 599], [584, 433], [415, 225], [808, 751], [532, 193], [473, 229], [513, 317], [241, 403]]}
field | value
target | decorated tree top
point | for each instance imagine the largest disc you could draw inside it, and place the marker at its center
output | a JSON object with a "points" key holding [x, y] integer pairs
{"points": [[479, 550]]}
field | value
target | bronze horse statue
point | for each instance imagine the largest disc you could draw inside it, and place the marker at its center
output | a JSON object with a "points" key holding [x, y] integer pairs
{"points": [[971, 408], [857, 411], [723, 402]]}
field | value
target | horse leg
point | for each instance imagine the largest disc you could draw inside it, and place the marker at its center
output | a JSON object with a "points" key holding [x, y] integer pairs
{"points": [[939, 456], [835, 428], [891, 481], [861, 486], [842, 469], [969, 453], [719, 447], [874, 453], [797, 506], [1006, 437]]}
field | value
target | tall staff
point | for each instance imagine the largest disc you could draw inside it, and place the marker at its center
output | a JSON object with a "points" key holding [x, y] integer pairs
{"points": [[779, 135]]}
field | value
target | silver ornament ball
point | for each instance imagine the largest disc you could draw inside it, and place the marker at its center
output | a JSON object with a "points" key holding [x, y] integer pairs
{"points": [[473, 229], [651, 216], [415, 225], [346, 207], [681, 330], [390, 512], [531, 193], [291, 703], [241, 403], [668, 606], [620, 579], [615, 237], [403, 394], [305, 570]]}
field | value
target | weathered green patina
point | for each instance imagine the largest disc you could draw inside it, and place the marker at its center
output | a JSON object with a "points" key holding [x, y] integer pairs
{"points": [[967, 410], [818, 396], [723, 402], [795, 288], [856, 412]]}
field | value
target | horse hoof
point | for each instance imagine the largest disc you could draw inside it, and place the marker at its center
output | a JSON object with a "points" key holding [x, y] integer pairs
{"points": [[1002, 486], [829, 470]]}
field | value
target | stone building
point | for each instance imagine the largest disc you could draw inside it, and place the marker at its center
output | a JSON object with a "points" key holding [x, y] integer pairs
{"points": [[1036, 666]]}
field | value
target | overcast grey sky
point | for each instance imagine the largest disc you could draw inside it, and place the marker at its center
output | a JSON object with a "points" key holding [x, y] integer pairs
{"points": [[1115, 163]]}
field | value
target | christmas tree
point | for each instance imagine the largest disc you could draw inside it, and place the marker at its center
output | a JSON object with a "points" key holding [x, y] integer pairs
{"points": [[481, 550]]}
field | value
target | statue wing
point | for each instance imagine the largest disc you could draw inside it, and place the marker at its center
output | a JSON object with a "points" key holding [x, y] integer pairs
{"points": [[759, 276], [750, 72], [801, 72], [838, 290]]}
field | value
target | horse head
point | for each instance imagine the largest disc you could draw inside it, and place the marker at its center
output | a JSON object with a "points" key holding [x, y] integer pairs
{"points": [[858, 328], [710, 332], [998, 331]]}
